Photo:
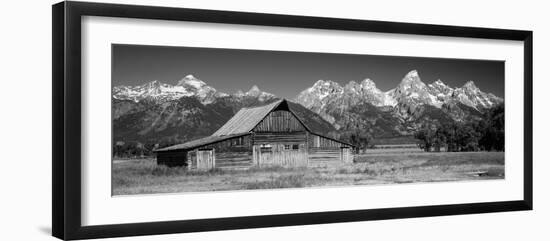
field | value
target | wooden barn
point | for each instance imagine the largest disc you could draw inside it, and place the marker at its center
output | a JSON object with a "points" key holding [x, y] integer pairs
{"points": [[260, 136]]}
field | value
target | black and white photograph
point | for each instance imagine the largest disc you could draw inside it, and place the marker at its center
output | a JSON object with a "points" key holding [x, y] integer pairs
{"points": [[275, 120], [189, 119]]}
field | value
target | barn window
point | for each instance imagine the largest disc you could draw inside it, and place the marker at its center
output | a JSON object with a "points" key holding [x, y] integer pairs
{"points": [[239, 141], [265, 148], [295, 147], [287, 147]]}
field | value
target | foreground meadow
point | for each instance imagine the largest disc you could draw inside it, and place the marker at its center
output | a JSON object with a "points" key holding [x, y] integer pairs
{"points": [[393, 166]]}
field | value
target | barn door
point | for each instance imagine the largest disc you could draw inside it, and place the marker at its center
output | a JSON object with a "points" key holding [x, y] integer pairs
{"points": [[342, 157], [345, 154], [205, 159]]}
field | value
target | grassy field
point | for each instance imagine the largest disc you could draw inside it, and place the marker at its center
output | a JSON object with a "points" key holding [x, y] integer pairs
{"points": [[384, 166]]}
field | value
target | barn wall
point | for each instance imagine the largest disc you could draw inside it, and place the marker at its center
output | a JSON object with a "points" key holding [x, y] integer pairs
{"points": [[231, 153], [290, 138], [176, 158], [324, 154], [279, 121], [320, 141], [233, 159], [323, 150], [280, 155], [347, 155], [280, 149]]}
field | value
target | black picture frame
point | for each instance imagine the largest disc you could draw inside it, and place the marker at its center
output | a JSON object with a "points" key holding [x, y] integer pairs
{"points": [[66, 127]]}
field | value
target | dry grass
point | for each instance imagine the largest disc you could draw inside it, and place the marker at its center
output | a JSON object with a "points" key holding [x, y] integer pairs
{"points": [[376, 167]]}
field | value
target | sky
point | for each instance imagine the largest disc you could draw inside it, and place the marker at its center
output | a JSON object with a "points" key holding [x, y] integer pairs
{"points": [[286, 74]]}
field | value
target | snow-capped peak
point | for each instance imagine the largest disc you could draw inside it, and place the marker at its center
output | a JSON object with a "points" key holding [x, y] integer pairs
{"points": [[254, 91], [470, 85], [325, 84], [368, 84], [158, 91], [469, 94], [327, 92], [192, 81], [326, 87], [319, 82], [412, 74], [438, 87], [154, 82], [412, 78], [439, 82]]}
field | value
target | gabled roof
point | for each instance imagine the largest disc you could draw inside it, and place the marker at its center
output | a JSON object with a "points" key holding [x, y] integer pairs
{"points": [[200, 142], [247, 118]]}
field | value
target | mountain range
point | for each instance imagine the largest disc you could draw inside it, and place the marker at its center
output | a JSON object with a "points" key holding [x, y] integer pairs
{"points": [[397, 111], [189, 86], [161, 113]]}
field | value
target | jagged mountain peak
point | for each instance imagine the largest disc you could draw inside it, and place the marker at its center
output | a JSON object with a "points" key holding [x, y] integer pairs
{"points": [[154, 82], [254, 90], [412, 74], [411, 86], [257, 93], [438, 82], [326, 83], [438, 87], [323, 88], [368, 84], [411, 78], [190, 80], [470, 85], [469, 94]]}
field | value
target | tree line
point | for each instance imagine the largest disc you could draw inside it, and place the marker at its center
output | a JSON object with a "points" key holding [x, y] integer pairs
{"points": [[133, 149], [361, 139], [486, 134]]}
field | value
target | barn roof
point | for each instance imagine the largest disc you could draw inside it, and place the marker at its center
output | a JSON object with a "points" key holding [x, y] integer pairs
{"points": [[247, 118], [200, 142]]}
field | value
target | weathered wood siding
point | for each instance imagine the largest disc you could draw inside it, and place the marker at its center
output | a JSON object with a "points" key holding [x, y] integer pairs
{"points": [[320, 141], [323, 150], [324, 154], [205, 159], [289, 137], [171, 159], [279, 121], [347, 155], [232, 153], [233, 160], [280, 155], [242, 143]]}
